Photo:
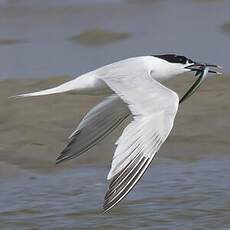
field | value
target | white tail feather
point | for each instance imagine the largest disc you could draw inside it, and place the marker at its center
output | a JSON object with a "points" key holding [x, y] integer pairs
{"points": [[68, 86], [85, 84]]}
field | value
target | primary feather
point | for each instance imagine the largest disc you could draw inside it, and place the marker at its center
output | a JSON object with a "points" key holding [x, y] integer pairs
{"points": [[153, 107], [97, 123], [137, 85]]}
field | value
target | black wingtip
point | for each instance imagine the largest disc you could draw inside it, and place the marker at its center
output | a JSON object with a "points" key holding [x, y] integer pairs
{"points": [[106, 208], [62, 158], [105, 211], [57, 162], [64, 153]]}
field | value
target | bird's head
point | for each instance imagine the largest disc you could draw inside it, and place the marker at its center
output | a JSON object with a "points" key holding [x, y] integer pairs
{"points": [[171, 65], [174, 65]]}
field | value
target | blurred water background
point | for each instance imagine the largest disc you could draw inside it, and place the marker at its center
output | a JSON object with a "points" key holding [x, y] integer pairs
{"points": [[40, 33], [46, 42]]}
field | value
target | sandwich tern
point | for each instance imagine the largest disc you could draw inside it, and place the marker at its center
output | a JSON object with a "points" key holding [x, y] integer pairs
{"points": [[131, 86]]}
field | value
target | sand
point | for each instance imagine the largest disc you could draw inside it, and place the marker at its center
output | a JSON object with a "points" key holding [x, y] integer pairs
{"points": [[226, 27], [99, 37], [34, 130]]}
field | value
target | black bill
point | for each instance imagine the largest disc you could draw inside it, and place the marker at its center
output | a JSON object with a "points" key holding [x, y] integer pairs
{"points": [[201, 71], [198, 68]]}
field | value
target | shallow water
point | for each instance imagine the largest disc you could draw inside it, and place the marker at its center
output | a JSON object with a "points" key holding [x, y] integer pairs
{"points": [[172, 195], [187, 186], [193, 28]]}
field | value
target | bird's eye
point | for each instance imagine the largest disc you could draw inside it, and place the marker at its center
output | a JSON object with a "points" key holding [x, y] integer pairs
{"points": [[190, 61], [181, 59]]}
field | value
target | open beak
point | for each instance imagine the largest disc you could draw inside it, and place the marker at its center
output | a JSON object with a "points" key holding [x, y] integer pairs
{"points": [[201, 71], [199, 67]]}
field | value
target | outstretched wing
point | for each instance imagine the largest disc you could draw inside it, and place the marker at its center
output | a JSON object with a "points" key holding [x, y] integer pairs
{"points": [[153, 107], [97, 124]]}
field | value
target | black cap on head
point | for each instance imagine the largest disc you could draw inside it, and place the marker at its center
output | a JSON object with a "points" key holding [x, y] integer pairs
{"points": [[173, 58]]}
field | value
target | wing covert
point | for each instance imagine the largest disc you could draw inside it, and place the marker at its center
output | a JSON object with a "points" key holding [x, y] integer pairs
{"points": [[153, 107]]}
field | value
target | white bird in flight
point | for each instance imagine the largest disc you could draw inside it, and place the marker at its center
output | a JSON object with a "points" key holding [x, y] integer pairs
{"points": [[133, 86]]}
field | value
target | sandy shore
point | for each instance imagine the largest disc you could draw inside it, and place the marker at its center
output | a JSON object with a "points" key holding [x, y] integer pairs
{"points": [[35, 130]]}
